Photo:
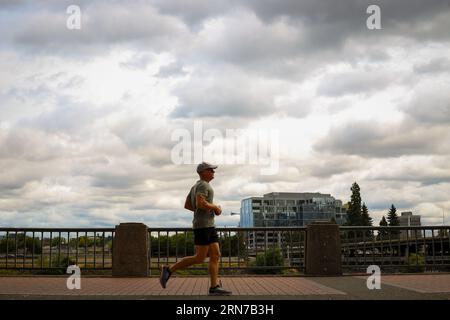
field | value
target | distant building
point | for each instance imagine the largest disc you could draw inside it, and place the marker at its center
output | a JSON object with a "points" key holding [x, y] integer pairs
{"points": [[283, 209], [407, 219], [279, 209]]}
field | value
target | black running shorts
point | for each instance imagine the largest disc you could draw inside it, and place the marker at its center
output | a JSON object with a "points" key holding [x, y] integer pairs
{"points": [[205, 236]]}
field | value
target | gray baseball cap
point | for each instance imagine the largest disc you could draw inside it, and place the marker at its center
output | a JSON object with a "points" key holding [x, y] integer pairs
{"points": [[205, 165]]}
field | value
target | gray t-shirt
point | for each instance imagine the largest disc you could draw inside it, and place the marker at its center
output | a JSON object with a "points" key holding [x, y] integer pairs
{"points": [[202, 218]]}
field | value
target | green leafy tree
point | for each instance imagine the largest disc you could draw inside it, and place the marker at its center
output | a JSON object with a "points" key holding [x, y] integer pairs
{"points": [[7, 243], [23, 242], [84, 241], [180, 244], [58, 240], [415, 263], [88, 241], [271, 258], [32, 244], [230, 245], [184, 242]]}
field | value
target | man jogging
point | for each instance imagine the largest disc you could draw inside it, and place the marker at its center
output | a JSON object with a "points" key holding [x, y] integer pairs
{"points": [[206, 240]]}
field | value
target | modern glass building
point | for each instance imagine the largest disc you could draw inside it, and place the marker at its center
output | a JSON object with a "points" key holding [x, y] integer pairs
{"points": [[279, 209]]}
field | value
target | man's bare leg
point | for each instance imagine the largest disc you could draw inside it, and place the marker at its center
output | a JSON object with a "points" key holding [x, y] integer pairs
{"points": [[199, 257], [213, 268]]}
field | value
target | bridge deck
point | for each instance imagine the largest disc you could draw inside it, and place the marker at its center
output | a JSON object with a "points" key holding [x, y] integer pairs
{"points": [[420, 286]]}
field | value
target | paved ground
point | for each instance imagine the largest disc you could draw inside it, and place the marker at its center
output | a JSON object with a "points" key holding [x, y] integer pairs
{"points": [[435, 286]]}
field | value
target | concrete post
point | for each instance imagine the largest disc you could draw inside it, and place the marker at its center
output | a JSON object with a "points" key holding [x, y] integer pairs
{"points": [[323, 249], [130, 252]]}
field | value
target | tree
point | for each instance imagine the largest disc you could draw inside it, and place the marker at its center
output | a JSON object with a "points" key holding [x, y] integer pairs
{"points": [[85, 241], [382, 234], [7, 243], [354, 209], [230, 245], [366, 220], [177, 244], [273, 257], [393, 221], [58, 240], [392, 217], [24, 243]]}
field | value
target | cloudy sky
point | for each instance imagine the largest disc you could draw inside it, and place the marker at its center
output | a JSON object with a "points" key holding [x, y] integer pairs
{"points": [[87, 116]]}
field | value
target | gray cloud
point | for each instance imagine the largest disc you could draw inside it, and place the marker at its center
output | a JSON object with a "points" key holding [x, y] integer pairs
{"points": [[29, 144], [243, 39], [16, 173], [341, 19], [299, 108], [68, 116], [172, 70], [226, 94], [307, 29], [433, 66], [339, 105], [329, 21], [359, 82], [425, 179], [287, 28], [430, 105], [10, 3], [103, 24], [138, 61], [326, 167], [426, 170], [193, 12], [116, 181], [136, 131], [370, 139], [425, 129]]}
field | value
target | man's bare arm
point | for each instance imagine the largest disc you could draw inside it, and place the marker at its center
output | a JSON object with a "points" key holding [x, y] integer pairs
{"points": [[188, 204], [203, 204]]}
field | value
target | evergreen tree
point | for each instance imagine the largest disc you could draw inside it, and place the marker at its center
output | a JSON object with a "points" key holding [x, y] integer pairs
{"points": [[382, 234], [392, 217], [354, 210], [366, 220], [393, 221]]}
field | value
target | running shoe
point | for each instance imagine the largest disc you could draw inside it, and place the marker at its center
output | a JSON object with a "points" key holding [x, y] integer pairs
{"points": [[164, 277], [219, 291]]}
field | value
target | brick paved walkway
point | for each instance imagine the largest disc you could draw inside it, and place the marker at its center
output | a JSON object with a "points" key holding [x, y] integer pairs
{"points": [[347, 287], [254, 286]]}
